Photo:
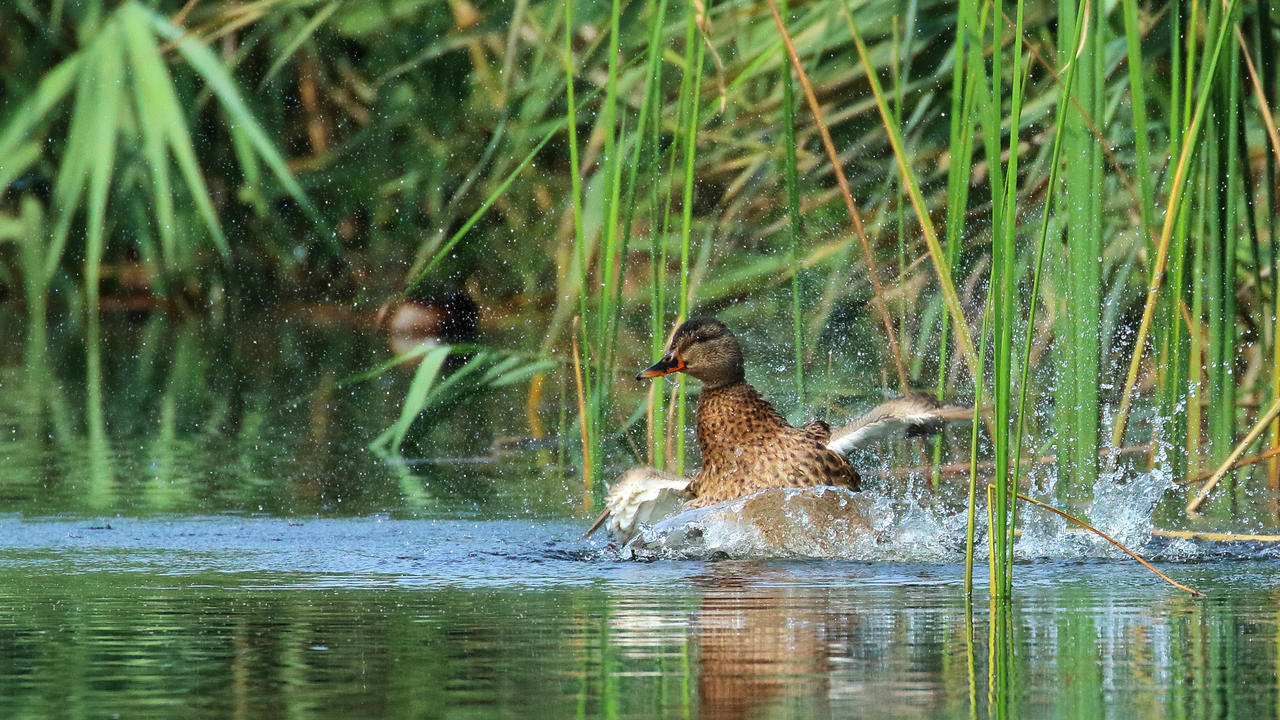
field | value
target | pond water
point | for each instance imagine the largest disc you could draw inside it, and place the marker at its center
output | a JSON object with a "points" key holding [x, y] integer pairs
{"points": [[225, 546]]}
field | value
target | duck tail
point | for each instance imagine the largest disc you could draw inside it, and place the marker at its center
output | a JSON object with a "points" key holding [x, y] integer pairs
{"points": [[596, 525], [915, 414]]}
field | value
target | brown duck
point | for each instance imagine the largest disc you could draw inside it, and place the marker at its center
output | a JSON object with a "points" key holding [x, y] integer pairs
{"points": [[747, 446]]}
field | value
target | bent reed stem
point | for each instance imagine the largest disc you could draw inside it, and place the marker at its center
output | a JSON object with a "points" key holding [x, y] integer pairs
{"points": [[1043, 506], [846, 193]]}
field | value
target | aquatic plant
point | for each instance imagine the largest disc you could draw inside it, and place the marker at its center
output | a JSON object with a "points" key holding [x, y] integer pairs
{"points": [[126, 128]]}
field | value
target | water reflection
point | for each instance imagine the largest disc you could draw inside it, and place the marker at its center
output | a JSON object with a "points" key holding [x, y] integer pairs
{"points": [[245, 413], [148, 628], [762, 644], [768, 643]]}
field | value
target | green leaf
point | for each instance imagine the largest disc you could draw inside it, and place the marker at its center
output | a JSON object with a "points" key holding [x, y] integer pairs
{"points": [[49, 92], [204, 62], [73, 173], [149, 88], [107, 96], [166, 113], [417, 399]]}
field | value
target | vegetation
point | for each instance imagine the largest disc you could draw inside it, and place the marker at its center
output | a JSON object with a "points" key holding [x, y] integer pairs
{"points": [[1104, 277]]}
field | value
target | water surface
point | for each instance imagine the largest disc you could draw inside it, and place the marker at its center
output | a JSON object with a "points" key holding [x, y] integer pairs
{"points": [[243, 616]]}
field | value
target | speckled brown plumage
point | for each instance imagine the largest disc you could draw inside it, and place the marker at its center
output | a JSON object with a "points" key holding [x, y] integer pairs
{"points": [[747, 446]]}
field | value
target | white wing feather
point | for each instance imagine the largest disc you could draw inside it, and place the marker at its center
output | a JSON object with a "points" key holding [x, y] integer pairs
{"points": [[641, 496], [914, 414]]}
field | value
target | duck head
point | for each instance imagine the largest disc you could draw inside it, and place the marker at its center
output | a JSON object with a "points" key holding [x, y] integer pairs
{"points": [[702, 348]]}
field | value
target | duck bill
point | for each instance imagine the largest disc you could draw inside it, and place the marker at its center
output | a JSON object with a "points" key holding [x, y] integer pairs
{"points": [[670, 363]]}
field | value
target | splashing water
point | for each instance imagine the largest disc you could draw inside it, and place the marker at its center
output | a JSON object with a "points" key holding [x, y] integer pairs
{"points": [[824, 522], [1122, 507], [883, 526]]}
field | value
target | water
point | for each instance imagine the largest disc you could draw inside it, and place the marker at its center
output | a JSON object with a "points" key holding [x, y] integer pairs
{"points": [[243, 616], [231, 551]]}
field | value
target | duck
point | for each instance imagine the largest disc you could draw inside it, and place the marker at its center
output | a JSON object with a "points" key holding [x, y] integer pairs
{"points": [[748, 446], [428, 315]]}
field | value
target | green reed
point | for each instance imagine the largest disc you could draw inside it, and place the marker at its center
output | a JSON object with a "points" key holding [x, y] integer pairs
{"points": [[588, 415], [791, 178], [613, 251], [647, 152], [1269, 221], [960, 148], [1003, 284], [1142, 167], [1177, 338], [1216, 34], [1079, 271], [1220, 280], [602, 245], [599, 263], [971, 505], [691, 87]]}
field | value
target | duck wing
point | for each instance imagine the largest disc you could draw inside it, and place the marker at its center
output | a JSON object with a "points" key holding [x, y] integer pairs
{"points": [[913, 414], [640, 496]]}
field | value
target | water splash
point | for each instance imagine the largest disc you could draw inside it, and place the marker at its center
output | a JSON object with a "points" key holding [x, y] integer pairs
{"points": [[882, 526], [1122, 507], [810, 522]]}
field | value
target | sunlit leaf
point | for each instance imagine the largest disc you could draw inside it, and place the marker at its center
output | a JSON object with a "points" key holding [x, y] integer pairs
{"points": [[150, 86], [419, 390], [72, 175], [51, 89], [483, 371], [106, 97], [167, 114]]}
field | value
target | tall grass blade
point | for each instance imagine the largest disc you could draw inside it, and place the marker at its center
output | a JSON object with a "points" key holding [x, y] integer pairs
{"points": [[942, 270], [792, 181], [161, 120], [1076, 336], [1138, 108], [215, 75], [690, 132], [1176, 191], [846, 194], [34, 110]]}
